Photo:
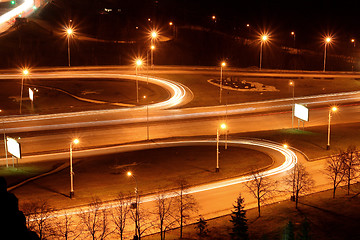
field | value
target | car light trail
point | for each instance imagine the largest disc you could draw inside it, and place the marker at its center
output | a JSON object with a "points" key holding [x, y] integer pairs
{"points": [[26, 6], [289, 161]]}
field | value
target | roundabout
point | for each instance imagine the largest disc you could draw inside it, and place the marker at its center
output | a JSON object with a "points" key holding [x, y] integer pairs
{"points": [[101, 172]]}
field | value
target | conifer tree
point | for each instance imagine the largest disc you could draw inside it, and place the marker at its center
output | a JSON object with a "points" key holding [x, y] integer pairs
{"points": [[238, 218]]}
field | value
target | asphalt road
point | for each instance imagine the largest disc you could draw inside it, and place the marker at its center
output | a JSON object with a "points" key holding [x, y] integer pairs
{"points": [[53, 133]]}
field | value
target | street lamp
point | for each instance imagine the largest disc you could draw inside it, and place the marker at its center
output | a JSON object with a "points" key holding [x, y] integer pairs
{"points": [[327, 41], [154, 36], [25, 72], [333, 109], [138, 63], [223, 64], [293, 34], [69, 33], [263, 39], [222, 126], [292, 83], [129, 174], [75, 141]]}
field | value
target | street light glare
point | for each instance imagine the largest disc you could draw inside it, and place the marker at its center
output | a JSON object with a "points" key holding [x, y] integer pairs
{"points": [[292, 33], [223, 64], [328, 39], [139, 62], [264, 38], [129, 173], [25, 72], [285, 145], [352, 40], [152, 47], [153, 34], [69, 31], [291, 83], [76, 141], [334, 109], [223, 126]]}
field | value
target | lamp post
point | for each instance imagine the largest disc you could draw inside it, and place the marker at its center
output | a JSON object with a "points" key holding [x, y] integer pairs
{"points": [[263, 39], [152, 48], [154, 35], [292, 83], [129, 174], [138, 63], [75, 141], [147, 120], [327, 41], [223, 64], [25, 72], [222, 126], [293, 34], [69, 33], [353, 42], [333, 109]]}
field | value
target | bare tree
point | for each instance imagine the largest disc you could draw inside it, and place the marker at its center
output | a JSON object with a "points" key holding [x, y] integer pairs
{"points": [[335, 169], [300, 181], [120, 214], [352, 162], [37, 218], [67, 228], [164, 211], [260, 187], [95, 220], [140, 218], [185, 203]]}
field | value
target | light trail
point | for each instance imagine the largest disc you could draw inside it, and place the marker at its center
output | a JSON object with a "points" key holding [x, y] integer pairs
{"points": [[290, 159], [26, 6]]}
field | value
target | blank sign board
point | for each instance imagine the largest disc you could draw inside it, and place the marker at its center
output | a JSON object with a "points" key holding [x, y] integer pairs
{"points": [[301, 112], [13, 147]]}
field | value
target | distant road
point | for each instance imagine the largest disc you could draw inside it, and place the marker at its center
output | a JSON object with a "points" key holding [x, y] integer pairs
{"points": [[52, 132]]}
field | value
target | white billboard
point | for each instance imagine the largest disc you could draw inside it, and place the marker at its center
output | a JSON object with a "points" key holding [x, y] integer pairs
{"points": [[13, 147], [31, 94], [301, 112]]}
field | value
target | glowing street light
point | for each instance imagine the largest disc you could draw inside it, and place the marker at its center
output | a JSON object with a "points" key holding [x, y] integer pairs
{"points": [[293, 34], [292, 84], [153, 36], [129, 174], [75, 141], [69, 33], [25, 73], [264, 38], [333, 109], [223, 64], [138, 63], [222, 127], [327, 41]]}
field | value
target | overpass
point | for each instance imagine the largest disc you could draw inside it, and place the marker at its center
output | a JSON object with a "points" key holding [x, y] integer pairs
{"points": [[10, 10]]}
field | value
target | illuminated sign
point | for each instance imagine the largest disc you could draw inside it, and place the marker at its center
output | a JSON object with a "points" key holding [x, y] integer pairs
{"points": [[31, 94], [301, 112], [13, 147]]}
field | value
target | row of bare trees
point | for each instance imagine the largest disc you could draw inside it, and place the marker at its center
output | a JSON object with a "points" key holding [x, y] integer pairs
{"points": [[99, 220], [344, 168], [298, 181]]}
